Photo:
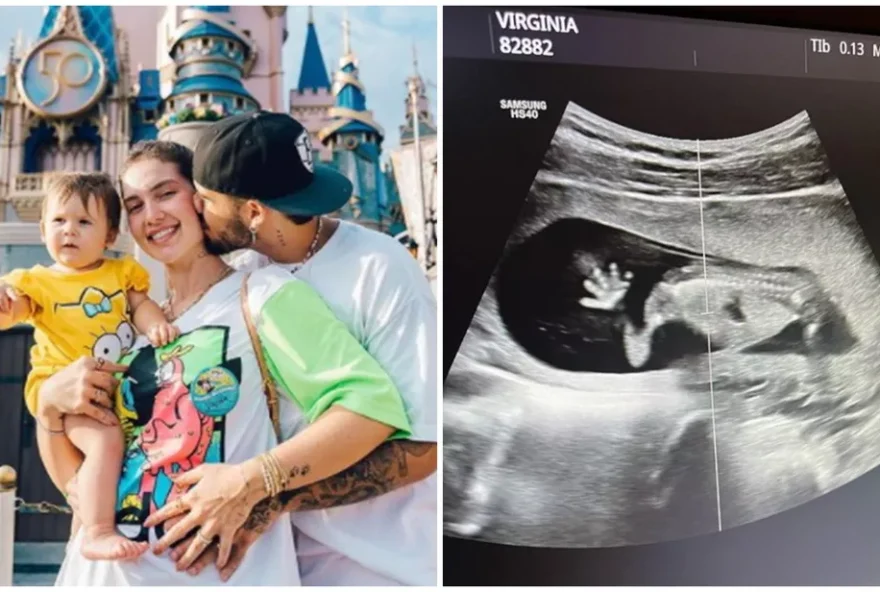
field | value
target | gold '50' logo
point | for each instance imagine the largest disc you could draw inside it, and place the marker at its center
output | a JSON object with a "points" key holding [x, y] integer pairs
{"points": [[53, 63]]}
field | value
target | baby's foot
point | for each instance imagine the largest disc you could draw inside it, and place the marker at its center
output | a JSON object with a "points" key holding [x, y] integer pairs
{"points": [[607, 290], [103, 542]]}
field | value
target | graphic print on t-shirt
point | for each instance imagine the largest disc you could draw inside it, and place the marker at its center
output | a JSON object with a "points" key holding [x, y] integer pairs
{"points": [[102, 320], [172, 403]]}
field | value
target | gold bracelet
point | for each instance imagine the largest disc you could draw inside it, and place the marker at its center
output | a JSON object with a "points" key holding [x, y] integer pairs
{"points": [[272, 474], [279, 472], [267, 476], [275, 471], [266, 485]]}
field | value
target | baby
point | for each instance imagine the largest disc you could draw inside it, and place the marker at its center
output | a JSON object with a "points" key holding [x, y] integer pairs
{"points": [[84, 305]]}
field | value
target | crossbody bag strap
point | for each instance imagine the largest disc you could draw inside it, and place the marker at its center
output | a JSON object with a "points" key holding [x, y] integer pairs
{"points": [[268, 384]]}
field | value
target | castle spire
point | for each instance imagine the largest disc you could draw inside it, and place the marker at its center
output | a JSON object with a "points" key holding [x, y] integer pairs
{"points": [[10, 67], [418, 121], [313, 73], [346, 35], [350, 115], [311, 15]]}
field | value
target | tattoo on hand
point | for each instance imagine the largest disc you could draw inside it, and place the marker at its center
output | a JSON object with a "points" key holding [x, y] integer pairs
{"points": [[280, 236], [262, 515]]}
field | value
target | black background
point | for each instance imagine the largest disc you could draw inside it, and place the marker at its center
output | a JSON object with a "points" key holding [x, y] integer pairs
{"points": [[489, 162]]}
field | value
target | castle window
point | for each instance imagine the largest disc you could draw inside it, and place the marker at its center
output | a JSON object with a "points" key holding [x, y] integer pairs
{"points": [[206, 42], [149, 116], [203, 98], [239, 103], [171, 105], [247, 32], [230, 45]]}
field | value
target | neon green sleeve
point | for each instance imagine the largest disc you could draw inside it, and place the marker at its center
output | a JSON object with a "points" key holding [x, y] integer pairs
{"points": [[312, 355]]}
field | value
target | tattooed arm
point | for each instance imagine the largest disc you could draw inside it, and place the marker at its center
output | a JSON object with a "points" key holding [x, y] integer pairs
{"points": [[392, 465]]}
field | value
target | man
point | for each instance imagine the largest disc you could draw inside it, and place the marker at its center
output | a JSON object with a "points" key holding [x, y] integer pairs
{"points": [[261, 191], [397, 464]]}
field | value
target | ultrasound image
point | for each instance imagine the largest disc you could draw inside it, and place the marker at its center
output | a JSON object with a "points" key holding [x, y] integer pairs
{"points": [[680, 338]]}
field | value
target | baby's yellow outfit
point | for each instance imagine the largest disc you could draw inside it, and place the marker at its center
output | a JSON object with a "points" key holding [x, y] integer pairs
{"points": [[77, 314]]}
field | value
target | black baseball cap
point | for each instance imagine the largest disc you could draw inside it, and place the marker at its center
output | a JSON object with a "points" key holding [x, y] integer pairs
{"points": [[268, 157]]}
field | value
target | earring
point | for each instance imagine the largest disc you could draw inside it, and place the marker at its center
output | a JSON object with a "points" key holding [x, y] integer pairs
{"points": [[253, 235]]}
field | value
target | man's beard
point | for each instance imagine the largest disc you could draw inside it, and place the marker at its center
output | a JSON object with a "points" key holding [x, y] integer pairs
{"points": [[234, 236]]}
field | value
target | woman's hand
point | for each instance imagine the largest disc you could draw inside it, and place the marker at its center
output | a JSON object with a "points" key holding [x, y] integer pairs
{"points": [[262, 517], [85, 387], [218, 504]]}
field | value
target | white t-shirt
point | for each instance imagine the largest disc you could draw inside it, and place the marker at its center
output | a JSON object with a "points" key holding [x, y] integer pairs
{"points": [[200, 400], [373, 285], [215, 349]]}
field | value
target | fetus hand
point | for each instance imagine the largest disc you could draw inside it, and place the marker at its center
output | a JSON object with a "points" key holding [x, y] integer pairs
{"points": [[607, 289]]}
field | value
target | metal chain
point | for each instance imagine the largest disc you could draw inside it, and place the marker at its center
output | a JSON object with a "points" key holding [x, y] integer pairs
{"points": [[166, 306], [23, 507]]}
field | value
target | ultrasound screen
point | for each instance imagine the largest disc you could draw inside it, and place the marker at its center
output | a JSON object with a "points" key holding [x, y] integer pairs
{"points": [[662, 295]]}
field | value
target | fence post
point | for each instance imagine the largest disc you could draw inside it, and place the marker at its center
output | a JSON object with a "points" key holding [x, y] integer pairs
{"points": [[7, 523]]}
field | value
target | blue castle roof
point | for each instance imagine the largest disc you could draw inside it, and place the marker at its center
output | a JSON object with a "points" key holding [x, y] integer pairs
{"points": [[351, 96], [209, 83], [97, 23], [213, 8], [355, 126], [199, 81], [313, 73], [375, 199]]}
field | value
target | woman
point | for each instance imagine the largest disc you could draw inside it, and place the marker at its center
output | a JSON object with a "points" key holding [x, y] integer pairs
{"points": [[201, 400]]}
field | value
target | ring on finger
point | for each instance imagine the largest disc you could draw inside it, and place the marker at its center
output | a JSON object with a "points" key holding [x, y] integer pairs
{"points": [[203, 538]]}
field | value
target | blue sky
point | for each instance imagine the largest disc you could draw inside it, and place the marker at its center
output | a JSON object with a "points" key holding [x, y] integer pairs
{"points": [[381, 37]]}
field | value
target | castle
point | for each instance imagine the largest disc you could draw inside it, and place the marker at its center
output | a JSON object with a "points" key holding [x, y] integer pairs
{"points": [[99, 79]]}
